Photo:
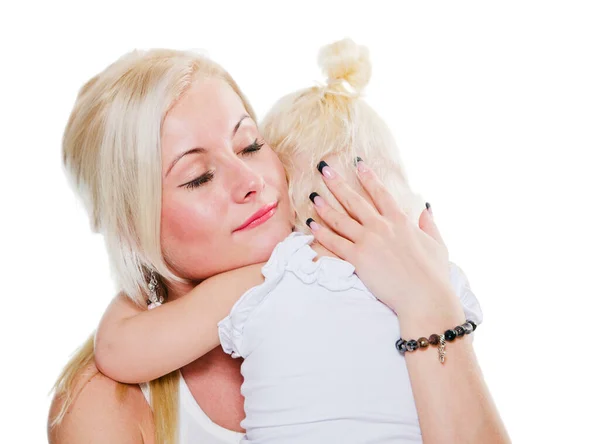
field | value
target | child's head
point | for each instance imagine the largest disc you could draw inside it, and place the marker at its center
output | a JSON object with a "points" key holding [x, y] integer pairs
{"points": [[333, 123]]}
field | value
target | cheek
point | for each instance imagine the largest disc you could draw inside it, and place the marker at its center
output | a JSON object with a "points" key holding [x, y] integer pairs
{"points": [[274, 176], [186, 223], [275, 173]]}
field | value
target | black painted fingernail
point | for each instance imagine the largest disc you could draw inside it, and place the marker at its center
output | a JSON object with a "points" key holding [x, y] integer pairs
{"points": [[358, 159], [322, 164], [309, 221], [312, 197], [427, 205]]}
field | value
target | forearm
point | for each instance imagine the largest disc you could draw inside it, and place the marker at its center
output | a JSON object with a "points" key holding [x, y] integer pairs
{"points": [[148, 345], [453, 402], [142, 346]]}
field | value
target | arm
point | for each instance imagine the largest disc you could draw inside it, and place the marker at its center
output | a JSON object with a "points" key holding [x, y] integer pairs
{"points": [[406, 267], [135, 345], [453, 402], [98, 416]]}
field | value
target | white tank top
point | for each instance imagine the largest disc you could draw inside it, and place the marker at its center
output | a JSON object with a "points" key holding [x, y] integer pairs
{"points": [[194, 425]]}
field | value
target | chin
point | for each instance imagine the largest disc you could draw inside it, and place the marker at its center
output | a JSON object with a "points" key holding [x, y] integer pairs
{"points": [[263, 245]]}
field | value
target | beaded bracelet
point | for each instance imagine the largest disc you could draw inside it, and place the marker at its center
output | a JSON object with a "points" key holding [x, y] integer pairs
{"points": [[440, 340]]}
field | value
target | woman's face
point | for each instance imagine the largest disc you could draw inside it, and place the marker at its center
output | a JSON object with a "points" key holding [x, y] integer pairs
{"points": [[225, 198]]}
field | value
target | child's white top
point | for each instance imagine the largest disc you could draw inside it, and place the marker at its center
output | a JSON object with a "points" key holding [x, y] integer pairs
{"points": [[320, 362]]}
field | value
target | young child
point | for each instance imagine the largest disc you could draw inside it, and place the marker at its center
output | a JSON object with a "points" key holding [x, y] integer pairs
{"points": [[319, 361]]}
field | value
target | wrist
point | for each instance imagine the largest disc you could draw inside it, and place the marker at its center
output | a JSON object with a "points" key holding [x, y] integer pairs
{"points": [[434, 314]]}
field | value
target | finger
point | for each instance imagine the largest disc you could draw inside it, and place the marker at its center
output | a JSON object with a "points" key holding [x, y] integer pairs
{"points": [[356, 206], [381, 197], [342, 224], [333, 242], [427, 224]]}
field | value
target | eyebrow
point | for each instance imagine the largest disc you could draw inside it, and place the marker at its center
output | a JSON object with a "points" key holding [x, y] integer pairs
{"points": [[237, 126], [199, 149]]}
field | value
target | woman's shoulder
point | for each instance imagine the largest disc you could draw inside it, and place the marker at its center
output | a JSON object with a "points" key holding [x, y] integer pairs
{"points": [[102, 410]]}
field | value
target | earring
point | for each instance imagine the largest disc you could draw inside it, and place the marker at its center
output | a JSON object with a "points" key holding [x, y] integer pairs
{"points": [[155, 300]]}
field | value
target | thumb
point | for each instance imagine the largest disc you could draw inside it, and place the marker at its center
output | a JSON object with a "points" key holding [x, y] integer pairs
{"points": [[427, 224]]}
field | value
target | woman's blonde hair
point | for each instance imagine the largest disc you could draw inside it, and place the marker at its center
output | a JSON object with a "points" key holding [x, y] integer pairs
{"points": [[112, 153], [333, 120]]}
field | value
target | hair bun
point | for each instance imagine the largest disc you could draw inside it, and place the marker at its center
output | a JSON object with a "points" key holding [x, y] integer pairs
{"points": [[344, 60]]}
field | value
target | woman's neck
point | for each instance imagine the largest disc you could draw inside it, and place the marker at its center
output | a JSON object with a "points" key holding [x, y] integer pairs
{"points": [[177, 289]]}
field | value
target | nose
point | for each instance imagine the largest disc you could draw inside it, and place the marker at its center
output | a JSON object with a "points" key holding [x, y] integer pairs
{"points": [[248, 183]]}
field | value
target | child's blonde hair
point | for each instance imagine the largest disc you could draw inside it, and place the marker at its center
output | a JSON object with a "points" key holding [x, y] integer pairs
{"points": [[112, 153], [309, 125]]}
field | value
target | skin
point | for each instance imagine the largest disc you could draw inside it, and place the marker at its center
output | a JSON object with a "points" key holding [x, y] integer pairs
{"points": [[198, 225], [403, 265], [199, 238]]}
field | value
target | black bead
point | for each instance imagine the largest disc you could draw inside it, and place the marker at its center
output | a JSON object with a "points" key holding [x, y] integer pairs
{"points": [[322, 164], [472, 323], [412, 345], [459, 331], [312, 196], [401, 345], [450, 335]]}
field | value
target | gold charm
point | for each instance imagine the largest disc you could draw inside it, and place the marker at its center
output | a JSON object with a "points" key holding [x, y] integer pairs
{"points": [[442, 348]]}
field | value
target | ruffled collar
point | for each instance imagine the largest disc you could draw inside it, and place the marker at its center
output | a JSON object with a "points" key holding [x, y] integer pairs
{"points": [[295, 255]]}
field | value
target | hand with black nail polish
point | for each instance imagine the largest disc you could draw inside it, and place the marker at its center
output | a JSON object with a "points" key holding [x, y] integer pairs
{"points": [[403, 264]]}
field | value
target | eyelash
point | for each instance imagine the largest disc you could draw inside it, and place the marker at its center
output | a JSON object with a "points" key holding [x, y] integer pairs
{"points": [[206, 177], [251, 149]]}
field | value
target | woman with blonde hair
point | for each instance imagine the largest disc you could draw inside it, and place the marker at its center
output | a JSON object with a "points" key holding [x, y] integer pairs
{"points": [[196, 237]]}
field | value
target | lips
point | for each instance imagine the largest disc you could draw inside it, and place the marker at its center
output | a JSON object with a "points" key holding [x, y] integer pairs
{"points": [[261, 216]]}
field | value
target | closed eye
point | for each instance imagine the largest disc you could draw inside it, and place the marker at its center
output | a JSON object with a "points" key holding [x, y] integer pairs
{"points": [[209, 175], [204, 178], [253, 148]]}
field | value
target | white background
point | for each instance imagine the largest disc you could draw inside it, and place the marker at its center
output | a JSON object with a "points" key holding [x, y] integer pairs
{"points": [[496, 108]]}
